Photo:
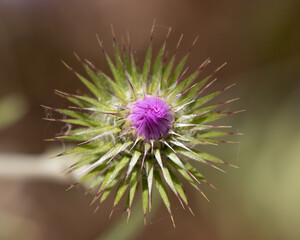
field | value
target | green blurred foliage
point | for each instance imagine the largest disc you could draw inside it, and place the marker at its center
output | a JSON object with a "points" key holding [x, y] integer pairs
{"points": [[12, 109]]}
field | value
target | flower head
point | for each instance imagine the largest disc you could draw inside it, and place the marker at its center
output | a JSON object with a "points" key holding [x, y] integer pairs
{"points": [[142, 125], [151, 117]]}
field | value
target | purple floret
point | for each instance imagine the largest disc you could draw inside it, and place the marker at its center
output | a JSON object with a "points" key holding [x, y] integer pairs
{"points": [[151, 117]]}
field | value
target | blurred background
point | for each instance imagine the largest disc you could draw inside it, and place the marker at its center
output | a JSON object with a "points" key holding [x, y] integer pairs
{"points": [[260, 42]]}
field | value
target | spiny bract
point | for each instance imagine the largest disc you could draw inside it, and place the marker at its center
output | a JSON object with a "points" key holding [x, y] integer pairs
{"points": [[142, 126]]}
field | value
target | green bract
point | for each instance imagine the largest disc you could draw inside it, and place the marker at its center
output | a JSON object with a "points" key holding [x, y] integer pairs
{"points": [[112, 155]]}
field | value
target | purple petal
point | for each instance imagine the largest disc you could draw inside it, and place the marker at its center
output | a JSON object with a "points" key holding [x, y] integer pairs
{"points": [[151, 117]]}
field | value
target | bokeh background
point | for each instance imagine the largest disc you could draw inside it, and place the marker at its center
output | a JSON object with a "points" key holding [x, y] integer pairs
{"points": [[258, 39]]}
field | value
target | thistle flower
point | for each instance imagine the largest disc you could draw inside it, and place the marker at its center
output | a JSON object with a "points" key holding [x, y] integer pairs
{"points": [[142, 126]]}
